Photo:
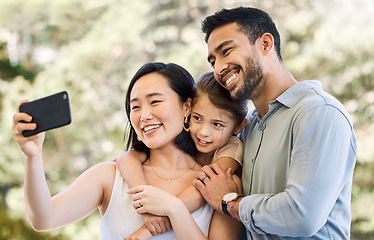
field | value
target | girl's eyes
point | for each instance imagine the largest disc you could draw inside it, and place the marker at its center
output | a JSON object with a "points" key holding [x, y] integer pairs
{"points": [[218, 125], [197, 118]]}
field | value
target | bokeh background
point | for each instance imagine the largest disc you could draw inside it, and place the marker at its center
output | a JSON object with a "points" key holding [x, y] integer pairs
{"points": [[91, 48]]}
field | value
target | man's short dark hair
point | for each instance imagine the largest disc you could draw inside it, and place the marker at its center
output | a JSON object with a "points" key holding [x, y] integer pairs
{"points": [[251, 21]]}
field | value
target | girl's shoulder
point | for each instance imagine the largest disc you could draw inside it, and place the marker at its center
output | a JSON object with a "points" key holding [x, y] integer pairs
{"points": [[234, 143], [232, 149]]}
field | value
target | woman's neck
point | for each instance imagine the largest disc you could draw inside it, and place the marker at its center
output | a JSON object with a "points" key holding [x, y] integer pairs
{"points": [[170, 159]]}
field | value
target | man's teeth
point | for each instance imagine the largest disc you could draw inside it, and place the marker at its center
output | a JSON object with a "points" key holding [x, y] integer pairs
{"points": [[146, 129], [231, 78]]}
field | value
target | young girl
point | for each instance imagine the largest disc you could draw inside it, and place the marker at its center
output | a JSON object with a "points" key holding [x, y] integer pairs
{"points": [[213, 121]]}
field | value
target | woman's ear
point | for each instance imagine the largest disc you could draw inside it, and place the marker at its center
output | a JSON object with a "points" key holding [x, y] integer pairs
{"points": [[241, 126], [188, 107]]}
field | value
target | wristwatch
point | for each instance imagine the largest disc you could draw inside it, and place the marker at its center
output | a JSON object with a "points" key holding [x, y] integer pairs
{"points": [[230, 197]]}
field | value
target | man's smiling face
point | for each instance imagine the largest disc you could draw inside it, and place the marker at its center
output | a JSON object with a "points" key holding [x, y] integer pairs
{"points": [[235, 61]]}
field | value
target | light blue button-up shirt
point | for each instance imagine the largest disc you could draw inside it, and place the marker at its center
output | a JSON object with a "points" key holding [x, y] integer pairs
{"points": [[298, 166]]}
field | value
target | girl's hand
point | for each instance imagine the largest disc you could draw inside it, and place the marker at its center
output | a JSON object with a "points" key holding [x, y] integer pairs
{"points": [[149, 199], [30, 146], [141, 234], [156, 224]]}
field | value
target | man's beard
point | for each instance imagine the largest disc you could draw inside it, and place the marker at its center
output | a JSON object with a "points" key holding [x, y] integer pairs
{"points": [[253, 76]]}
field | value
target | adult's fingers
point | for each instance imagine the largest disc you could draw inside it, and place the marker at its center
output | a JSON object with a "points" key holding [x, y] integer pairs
{"points": [[217, 169], [136, 189], [22, 102]]}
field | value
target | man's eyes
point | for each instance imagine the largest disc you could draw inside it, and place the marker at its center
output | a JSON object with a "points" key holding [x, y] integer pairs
{"points": [[226, 50]]}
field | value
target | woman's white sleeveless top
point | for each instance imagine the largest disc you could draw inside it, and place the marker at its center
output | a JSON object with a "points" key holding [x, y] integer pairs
{"points": [[121, 220]]}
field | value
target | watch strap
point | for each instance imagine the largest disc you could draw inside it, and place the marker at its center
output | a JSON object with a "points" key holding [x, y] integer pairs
{"points": [[224, 208]]}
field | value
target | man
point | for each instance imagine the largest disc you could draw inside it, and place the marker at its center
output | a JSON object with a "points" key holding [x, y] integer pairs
{"points": [[300, 148]]}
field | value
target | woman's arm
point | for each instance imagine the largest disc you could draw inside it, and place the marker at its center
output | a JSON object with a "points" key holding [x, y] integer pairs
{"points": [[44, 212], [156, 201], [159, 202], [71, 205]]}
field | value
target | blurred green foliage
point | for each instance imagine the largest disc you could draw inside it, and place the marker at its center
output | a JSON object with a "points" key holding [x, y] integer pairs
{"points": [[92, 48]]}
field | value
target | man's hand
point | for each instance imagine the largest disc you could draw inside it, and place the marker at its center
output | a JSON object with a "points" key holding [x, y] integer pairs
{"points": [[215, 184]]}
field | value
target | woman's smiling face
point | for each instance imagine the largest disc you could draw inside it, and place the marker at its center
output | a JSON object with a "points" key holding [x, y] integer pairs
{"points": [[156, 112]]}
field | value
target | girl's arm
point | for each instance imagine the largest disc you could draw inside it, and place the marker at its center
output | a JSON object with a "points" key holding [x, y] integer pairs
{"points": [[159, 202], [228, 162], [192, 198], [131, 169], [230, 155]]}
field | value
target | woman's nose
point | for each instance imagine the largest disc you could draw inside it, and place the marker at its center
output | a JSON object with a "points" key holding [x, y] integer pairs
{"points": [[146, 115]]}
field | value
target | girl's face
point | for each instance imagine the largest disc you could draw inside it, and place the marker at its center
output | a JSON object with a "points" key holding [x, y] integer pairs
{"points": [[211, 127], [156, 111]]}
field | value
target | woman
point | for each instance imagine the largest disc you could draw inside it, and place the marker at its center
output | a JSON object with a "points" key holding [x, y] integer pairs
{"points": [[158, 100]]}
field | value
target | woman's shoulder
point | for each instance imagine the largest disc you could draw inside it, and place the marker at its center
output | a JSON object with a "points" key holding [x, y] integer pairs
{"points": [[103, 173], [108, 167]]}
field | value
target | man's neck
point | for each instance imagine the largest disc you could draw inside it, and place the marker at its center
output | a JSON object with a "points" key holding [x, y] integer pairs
{"points": [[274, 86]]}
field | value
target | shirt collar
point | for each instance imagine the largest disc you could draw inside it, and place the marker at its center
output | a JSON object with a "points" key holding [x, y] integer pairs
{"points": [[291, 96], [295, 93]]}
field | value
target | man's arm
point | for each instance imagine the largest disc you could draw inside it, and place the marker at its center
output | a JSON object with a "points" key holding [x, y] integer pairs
{"points": [[320, 168]]}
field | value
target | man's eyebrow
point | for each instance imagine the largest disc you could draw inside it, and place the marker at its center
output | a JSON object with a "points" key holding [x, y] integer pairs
{"points": [[219, 48], [148, 96]]}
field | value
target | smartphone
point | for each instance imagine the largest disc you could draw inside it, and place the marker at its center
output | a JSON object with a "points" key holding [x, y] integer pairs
{"points": [[48, 113]]}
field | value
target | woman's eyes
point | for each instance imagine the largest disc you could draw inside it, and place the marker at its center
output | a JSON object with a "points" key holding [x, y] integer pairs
{"points": [[156, 101], [153, 102], [134, 108]]}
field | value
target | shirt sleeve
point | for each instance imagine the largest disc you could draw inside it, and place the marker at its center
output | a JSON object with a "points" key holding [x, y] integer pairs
{"points": [[322, 162], [232, 149]]}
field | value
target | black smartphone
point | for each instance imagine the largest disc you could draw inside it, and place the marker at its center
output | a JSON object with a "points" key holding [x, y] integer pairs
{"points": [[48, 113]]}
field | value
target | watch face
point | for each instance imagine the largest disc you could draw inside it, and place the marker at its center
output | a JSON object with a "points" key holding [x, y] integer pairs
{"points": [[229, 197]]}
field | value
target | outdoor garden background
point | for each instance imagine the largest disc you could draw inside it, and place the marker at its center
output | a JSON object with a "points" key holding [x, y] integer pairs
{"points": [[91, 48]]}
